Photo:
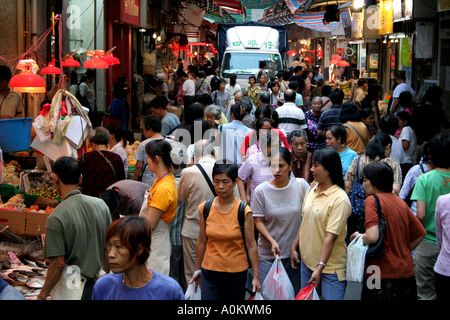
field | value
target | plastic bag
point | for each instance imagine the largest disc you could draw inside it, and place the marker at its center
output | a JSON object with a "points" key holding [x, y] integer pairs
{"points": [[308, 293], [191, 294], [277, 285], [356, 257], [257, 296]]}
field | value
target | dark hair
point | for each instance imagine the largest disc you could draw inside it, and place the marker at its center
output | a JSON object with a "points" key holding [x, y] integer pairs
{"points": [[134, 233], [5, 73], [357, 72], [376, 147], [389, 124], [305, 74], [326, 89], [366, 112], [280, 74], [230, 169], [252, 77], [162, 149], [90, 73], [373, 90], [339, 131], [400, 74], [159, 102], [275, 118], [247, 103], [233, 78], [262, 64], [404, 115], [349, 112], [68, 170], [405, 99], [361, 82], [283, 153], [238, 111], [265, 110], [440, 150], [293, 85], [111, 198], [297, 69], [337, 96], [101, 136], [290, 95], [194, 112], [73, 78], [210, 71], [153, 123], [116, 130], [331, 161], [204, 99], [380, 175]]}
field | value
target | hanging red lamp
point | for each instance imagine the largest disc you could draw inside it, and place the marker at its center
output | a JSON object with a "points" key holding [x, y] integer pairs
{"points": [[95, 62], [30, 62], [343, 63], [27, 81], [51, 68]]}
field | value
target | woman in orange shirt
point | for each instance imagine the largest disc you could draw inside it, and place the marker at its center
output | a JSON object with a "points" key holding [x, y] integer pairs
{"points": [[221, 262]]}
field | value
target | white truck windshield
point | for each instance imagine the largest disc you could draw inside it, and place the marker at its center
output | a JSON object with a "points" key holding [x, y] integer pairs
{"points": [[247, 63]]}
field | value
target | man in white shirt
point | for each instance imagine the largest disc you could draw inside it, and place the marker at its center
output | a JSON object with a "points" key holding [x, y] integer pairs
{"points": [[188, 88], [290, 116], [400, 79]]}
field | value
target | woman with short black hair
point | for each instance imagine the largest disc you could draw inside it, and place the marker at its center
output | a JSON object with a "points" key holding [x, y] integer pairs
{"points": [[223, 250], [403, 234]]}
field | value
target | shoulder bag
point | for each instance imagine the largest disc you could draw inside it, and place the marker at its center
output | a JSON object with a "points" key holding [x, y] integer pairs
{"points": [[376, 250]]}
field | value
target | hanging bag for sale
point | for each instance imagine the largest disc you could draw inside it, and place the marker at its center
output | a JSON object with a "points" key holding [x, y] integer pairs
{"points": [[277, 285], [356, 258]]}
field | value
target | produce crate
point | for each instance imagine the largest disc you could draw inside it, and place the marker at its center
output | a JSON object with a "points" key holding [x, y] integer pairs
{"points": [[24, 223]]}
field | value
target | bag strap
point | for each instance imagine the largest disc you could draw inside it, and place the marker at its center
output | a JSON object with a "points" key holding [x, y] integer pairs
{"points": [[205, 175], [357, 132], [377, 202], [109, 162], [240, 217], [299, 181], [357, 170]]}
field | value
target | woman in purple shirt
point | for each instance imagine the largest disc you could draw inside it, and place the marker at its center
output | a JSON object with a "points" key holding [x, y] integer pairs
{"points": [[442, 266]]}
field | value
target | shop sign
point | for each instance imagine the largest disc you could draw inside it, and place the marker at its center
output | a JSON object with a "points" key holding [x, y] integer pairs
{"points": [[129, 12], [386, 16]]}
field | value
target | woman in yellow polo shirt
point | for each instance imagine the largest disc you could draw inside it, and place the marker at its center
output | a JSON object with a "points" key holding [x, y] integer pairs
{"points": [[162, 204], [321, 236]]}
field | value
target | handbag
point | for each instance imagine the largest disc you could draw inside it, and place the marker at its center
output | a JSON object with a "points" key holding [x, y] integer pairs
{"points": [[376, 249], [357, 195]]}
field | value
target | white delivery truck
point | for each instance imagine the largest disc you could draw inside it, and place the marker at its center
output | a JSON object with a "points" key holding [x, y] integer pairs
{"points": [[245, 47]]}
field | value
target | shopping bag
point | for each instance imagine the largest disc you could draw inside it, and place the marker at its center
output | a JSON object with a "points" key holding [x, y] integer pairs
{"points": [[277, 285], [356, 257], [257, 296], [191, 294], [308, 293]]}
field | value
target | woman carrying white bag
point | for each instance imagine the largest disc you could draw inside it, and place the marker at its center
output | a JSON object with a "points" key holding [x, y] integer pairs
{"points": [[395, 268]]}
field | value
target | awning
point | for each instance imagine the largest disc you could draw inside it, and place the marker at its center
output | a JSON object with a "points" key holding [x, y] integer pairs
{"points": [[314, 20]]}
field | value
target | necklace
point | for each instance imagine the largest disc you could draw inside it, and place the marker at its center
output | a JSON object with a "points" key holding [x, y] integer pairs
{"points": [[159, 179]]}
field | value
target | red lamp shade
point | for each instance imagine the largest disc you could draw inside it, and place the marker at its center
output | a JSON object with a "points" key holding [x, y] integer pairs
{"points": [[51, 69], [291, 52], [336, 57], [307, 59], [110, 59], [334, 62], [71, 62], [27, 82], [95, 63], [343, 63]]}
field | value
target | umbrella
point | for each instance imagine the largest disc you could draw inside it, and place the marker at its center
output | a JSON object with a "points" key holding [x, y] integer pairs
{"points": [[343, 63], [336, 57]]}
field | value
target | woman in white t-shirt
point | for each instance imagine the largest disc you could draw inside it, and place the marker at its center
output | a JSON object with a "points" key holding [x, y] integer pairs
{"points": [[233, 87], [277, 207], [408, 139]]}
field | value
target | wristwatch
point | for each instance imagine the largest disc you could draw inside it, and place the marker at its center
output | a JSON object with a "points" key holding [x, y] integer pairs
{"points": [[321, 264]]}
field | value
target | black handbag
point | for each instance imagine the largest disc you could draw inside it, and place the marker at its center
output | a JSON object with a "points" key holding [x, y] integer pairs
{"points": [[376, 250]]}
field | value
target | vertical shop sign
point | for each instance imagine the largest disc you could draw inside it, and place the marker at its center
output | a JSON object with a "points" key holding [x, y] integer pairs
{"points": [[386, 16]]}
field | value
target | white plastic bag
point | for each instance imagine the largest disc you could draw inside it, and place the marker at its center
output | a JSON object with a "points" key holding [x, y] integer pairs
{"points": [[308, 293], [277, 285], [191, 294], [356, 257]]}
